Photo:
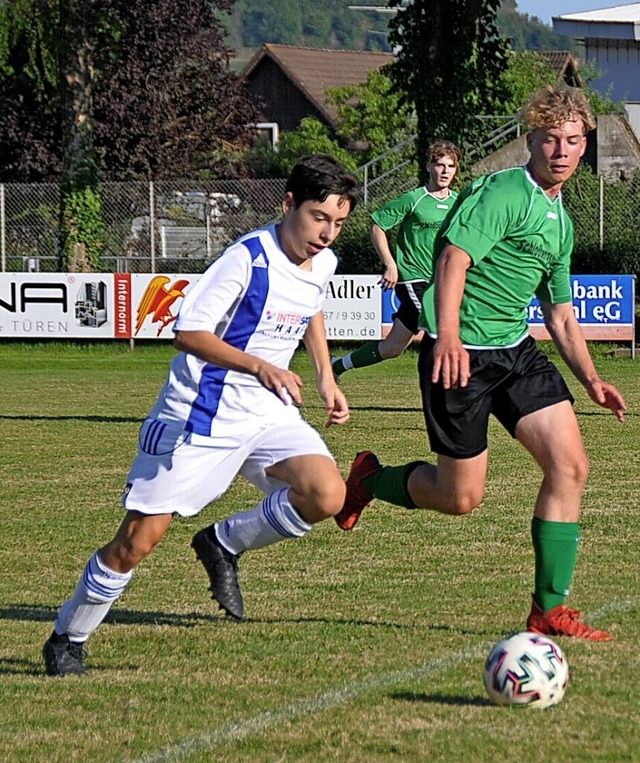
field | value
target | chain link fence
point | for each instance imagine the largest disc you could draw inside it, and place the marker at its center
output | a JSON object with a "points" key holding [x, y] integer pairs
{"points": [[605, 214], [181, 226], [171, 226], [389, 175]]}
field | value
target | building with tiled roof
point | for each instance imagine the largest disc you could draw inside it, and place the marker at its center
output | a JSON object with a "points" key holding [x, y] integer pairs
{"points": [[291, 82], [564, 63]]}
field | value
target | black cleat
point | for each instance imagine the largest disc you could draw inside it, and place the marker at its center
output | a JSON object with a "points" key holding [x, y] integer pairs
{"points": [[336, 376], [222, 568], [63, 657]]}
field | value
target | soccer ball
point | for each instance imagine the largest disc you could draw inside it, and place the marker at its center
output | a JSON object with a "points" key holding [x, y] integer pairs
{"points": [[526, 670]]}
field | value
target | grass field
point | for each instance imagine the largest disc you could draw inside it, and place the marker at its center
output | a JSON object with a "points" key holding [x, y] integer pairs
{"points": [[359, 647]]}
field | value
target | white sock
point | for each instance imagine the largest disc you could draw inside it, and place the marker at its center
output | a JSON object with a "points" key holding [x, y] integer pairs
{"points": [[347, 363], [97, 589], [274, 519]]}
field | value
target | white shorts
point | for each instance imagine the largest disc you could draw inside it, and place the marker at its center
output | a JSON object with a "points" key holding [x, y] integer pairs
{"points": [[174, 474]]}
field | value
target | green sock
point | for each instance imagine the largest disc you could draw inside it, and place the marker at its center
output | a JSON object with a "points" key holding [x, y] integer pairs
{"points": [[556, 546], [390, 484], [366, 355]]}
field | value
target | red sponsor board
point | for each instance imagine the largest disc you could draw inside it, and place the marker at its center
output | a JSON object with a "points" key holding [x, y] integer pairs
{"points": [[122, 305]]}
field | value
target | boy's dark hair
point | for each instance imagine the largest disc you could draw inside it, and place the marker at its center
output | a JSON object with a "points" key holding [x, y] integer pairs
{"points": [[319, 175]]}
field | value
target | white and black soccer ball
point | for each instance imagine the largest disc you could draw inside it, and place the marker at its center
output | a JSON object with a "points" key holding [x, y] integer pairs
{"points": [[526, 670]]}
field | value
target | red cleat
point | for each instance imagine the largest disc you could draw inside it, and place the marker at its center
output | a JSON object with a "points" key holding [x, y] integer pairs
{"points": [[562, 621], [358, 498]]}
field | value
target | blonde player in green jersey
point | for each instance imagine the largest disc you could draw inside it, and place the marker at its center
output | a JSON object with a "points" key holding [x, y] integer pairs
{"points": [[419, 213], [508, 239]]}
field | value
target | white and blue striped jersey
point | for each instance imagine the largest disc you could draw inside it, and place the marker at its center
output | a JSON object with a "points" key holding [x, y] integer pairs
{"points": [[255, 299]]}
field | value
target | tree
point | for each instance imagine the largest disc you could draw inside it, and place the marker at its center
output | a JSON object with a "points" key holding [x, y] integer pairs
{"points": [[30, 131], [525, 72], [113, 89], [372, 116], [526, 32], [166, 104], [275, 21], [311, 137], [82, 228], [328, 24], [449, 62], [161, 99]]}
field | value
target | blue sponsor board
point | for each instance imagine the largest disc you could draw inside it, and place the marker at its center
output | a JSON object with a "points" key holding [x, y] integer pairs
{"points": [[390, 305], [597, 300]]}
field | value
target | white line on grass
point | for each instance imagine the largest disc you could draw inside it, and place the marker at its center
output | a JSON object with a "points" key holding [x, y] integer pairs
{"points": [[234, 732], [270, 718]]}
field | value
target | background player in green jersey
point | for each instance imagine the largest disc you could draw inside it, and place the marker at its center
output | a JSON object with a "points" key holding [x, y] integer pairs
{"points": [[507, 239], [419, 214]]}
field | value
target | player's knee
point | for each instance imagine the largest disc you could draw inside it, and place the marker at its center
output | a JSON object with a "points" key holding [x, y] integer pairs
{"points": [[462, 503], [583, 467], [573, 470], [325, 497]]}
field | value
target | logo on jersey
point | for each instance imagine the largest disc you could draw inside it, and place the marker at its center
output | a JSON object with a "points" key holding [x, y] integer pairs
{"points": [[259, 262], [539, 252], [289, 325], [428, 224]]}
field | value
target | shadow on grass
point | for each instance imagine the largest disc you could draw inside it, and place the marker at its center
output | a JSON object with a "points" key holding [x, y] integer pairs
{"points": [[385, 408], [603, 412], [441, 699], [14, 667], [140, 419], [99, 419], [45, 613]]}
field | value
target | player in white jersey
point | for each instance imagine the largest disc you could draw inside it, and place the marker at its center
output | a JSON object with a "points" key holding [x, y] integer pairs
{"points": [[230, 406]]}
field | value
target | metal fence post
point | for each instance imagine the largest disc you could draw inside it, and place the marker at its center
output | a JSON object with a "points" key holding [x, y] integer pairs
{"points": [[152, 226], [3, 240], [365, 198], [601, 213], [207, 225]]}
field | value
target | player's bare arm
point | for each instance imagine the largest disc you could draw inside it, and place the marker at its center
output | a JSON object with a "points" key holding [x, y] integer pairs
{"points": [[381, 244], [315, 341], [567, 335], [451, 360], [212, 349]]}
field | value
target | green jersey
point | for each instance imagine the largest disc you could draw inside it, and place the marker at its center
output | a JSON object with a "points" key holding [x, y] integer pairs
{"points": [[520, 242], [419, 214]]}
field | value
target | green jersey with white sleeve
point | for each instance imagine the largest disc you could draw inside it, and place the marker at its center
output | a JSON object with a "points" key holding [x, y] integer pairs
{"points": [[520, 241], [419, 214]]}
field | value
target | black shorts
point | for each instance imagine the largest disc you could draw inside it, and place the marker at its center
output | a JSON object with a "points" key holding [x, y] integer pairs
{"points": [[409, 296], [510, 383]]}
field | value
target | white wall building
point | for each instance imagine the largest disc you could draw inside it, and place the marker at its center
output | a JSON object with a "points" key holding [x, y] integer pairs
{"points": [[611, 39]]}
